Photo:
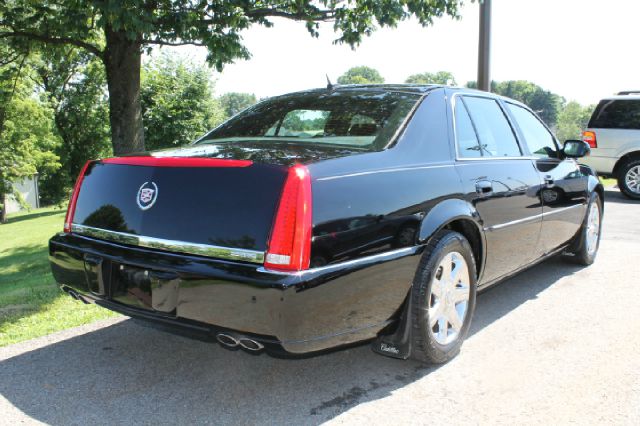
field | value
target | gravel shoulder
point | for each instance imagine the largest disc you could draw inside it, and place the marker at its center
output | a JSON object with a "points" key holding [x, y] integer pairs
{"points": [[557, 344]]}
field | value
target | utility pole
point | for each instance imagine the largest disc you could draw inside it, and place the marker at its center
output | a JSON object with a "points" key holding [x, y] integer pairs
{"points": [[484, 47]]}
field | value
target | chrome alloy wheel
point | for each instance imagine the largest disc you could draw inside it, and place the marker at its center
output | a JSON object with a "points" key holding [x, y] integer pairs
{"points": [[593, 228], [632, 179], [449, 298]]}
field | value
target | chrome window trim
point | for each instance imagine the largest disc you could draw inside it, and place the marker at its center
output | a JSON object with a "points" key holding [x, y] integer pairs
{"points": [[228, 253]]}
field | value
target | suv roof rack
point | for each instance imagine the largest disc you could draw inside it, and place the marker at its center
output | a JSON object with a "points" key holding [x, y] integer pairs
{"points": [[629, 92]]}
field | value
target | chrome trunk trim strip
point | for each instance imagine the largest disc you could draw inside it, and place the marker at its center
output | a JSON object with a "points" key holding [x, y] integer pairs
{"points": [[170, 245]]}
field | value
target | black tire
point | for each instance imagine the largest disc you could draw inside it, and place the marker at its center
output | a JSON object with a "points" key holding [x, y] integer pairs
{"points": [[581, 253], [425, 347], [622, 174]]}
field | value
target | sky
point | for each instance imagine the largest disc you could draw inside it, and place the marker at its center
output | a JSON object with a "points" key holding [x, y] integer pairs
{"points": [[582, 50]]}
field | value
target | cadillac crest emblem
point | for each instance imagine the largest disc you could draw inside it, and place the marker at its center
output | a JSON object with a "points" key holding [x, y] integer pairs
{"points": [[147, 195]]}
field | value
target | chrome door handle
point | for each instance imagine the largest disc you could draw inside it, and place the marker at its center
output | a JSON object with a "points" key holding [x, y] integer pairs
{"points": [[484, 187]]}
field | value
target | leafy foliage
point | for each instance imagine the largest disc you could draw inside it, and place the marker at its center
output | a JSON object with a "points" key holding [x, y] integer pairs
{"points": [[545, 103], [301, 121], [116, 31], [234, 102], [177, 102], [73, 83], [27, 139], [440, 77], [572, 120], [361, 75]]}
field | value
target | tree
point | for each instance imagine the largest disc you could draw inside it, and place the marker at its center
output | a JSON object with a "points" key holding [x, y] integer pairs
{"points": [[361, 75], [546, 104], [234, 102], [26, 134], [572, 120], [74, 85], [177, 102], [117, 31], [440, 77]]}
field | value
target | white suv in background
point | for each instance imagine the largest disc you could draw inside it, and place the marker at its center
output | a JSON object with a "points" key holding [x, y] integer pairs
{"points": [[614, 136]]}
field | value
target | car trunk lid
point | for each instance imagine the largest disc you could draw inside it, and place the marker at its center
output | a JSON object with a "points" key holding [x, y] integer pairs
{"points": [[207, 206]]}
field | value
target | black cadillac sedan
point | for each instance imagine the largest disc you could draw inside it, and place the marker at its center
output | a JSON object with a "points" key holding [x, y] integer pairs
{"points": [[330, 217]]}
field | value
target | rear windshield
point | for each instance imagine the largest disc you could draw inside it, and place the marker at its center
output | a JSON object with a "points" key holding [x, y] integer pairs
{"points": [[616, 114], [364, 120]]}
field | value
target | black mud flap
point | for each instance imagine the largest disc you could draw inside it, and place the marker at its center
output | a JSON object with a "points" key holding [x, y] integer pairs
{"points": [[396, 344]]}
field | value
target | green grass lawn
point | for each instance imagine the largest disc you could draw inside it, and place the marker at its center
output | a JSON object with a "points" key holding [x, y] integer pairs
{"points": [[608, 182], [31, 304]]}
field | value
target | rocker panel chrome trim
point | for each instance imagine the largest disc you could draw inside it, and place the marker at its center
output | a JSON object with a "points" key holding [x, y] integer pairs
{"points": [[531, 218]]}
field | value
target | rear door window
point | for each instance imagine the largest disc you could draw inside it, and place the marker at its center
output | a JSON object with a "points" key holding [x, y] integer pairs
{"points": [[494, 131], [468, 144], [539, 140], [616, 114]]}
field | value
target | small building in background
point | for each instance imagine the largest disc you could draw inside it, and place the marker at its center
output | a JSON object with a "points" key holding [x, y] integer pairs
{"points": [[28, 189]]}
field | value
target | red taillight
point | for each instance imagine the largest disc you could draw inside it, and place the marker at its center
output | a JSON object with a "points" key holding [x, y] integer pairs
{"points": [[177, 162], [71, 209], [590, 138], [290, 243]]}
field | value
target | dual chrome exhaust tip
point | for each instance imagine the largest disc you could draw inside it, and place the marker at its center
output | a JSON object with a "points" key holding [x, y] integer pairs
{"points": [[231, 341], [74, 294], [225, 339]]}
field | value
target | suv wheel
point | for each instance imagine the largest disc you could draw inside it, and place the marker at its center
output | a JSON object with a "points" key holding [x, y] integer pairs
{"points": [[443, 298], [629, 179]]}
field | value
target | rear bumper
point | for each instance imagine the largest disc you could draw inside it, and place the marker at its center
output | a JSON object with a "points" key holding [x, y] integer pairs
{"points": [[292, 312], [602, 164]]}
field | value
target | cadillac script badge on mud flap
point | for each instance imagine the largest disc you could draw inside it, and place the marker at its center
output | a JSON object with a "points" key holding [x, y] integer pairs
{"points": [[147, 195]]}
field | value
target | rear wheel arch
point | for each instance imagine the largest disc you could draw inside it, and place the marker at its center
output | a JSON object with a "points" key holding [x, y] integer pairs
{"points": [[456, 215], [626, 173], [629, 156], [469, 229]]}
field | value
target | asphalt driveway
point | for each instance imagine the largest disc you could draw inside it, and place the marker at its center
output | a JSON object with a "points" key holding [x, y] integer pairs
{"points": [[557, 344]]}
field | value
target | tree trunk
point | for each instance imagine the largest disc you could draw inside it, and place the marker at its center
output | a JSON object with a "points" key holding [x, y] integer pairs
{"points": [[122, 59]]}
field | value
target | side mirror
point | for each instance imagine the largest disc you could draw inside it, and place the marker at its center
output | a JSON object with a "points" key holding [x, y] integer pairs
{"points": [[576, 149]]}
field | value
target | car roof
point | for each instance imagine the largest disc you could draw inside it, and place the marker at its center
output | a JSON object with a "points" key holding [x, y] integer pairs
{"points": [[398, 88], [418, 89], [622, 98]]}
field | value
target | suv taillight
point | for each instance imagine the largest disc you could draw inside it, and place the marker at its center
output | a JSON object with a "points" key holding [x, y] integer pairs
{"points": [[71, 209], [590, 138], [290, 242]]}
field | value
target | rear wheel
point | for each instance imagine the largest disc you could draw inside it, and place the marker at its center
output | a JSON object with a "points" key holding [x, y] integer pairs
{"points": [[629, 179], [443, 298]]}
